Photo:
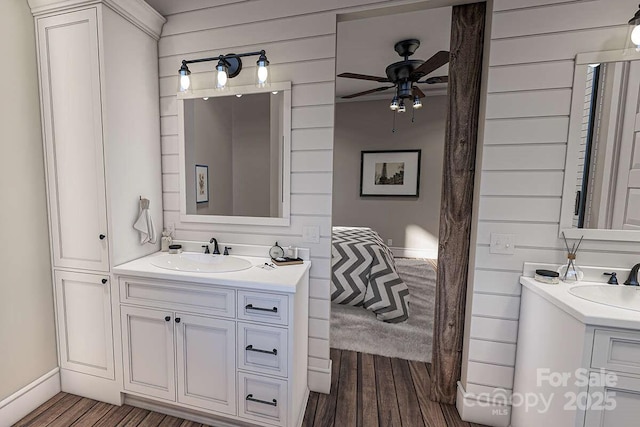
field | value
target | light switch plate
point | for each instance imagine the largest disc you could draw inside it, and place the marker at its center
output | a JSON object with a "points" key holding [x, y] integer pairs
{"points": [[503, 244], [311, 234]]}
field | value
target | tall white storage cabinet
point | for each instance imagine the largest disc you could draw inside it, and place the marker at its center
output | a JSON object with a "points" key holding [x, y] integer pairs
{"points": [[98, 71]]}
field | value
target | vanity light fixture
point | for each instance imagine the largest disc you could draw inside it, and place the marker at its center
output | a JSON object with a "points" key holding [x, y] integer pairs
{"points": [[184, 83], [222, 75], [262, 71], [228, 67], [634, 22]]}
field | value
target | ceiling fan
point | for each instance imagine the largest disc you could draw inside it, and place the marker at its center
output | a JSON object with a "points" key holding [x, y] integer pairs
{"points": [[405, 75]]}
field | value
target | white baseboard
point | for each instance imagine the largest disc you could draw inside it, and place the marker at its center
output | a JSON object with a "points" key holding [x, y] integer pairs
{"points": [[28, 398], [319, 379], [414, 253], [481, 411]]}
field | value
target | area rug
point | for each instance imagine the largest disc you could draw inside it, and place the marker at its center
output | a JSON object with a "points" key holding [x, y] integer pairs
{"points": [[357, 329]]}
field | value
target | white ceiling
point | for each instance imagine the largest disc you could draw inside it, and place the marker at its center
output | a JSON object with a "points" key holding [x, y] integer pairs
{"points": [[365, 46]]}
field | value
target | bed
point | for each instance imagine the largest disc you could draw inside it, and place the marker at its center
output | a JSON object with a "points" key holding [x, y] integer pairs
{"points": [[364, 274]]}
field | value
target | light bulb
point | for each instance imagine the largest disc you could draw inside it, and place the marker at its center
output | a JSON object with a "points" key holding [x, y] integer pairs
{"points": [[263, 73], [417, 104], [206, 98], [394, 104], [635, 36], [401, 107], [221, 75], [185, 82], [238, 95], [275, 92]]}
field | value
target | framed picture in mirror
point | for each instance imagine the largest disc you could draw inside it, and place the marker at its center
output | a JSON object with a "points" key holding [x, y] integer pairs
{"points": [[202, 184]]}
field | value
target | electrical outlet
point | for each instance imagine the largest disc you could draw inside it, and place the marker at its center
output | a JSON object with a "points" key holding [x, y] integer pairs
{"points": [[311, 234], [503, 244], [389, 242]]}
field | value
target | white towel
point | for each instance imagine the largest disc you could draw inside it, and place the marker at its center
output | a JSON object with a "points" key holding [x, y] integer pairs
{"points": [[144, 224]]}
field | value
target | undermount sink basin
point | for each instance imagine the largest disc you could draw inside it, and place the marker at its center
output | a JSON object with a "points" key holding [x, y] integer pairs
{"points": [[627, 297], [201, 263]]}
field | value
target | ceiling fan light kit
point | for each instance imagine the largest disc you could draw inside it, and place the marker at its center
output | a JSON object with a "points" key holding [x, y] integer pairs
{"points": [[405, 76]]}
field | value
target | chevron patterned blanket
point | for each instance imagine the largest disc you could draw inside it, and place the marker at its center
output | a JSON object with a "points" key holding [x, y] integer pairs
{"points": [[364, 274]]}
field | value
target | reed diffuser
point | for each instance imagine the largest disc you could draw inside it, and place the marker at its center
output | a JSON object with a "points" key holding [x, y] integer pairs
{"points": [[570, 272]]}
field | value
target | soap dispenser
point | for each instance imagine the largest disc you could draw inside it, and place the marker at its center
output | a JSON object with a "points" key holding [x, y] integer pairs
{"points": [[165, 241]]}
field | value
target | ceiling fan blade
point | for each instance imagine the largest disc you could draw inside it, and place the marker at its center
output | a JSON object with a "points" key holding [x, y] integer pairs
{"points": [[431, 64], [366, 92], [435, 80], [417, 92], [364, 77]]}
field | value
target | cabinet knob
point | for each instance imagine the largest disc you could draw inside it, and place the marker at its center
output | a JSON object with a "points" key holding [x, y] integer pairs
{"points": [[102, 236], [177, 320], [104, 281], [167, 318]]}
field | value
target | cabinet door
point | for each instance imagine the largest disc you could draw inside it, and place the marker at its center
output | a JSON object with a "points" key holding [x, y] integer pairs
{"points": [[617, 404], [148, 351], [206, 363], [72, 122], [83, 308]]}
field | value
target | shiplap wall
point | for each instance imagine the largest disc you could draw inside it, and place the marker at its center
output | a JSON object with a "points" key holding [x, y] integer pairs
{"points": [[533, 47], [299, 37]]}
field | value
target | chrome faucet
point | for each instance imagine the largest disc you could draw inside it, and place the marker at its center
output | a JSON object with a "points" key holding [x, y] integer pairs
{"points": [[633, 276], [216, 250]]}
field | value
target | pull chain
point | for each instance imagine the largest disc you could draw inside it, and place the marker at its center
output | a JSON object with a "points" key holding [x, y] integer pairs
{"points": [[413, 115], [393, 130]]}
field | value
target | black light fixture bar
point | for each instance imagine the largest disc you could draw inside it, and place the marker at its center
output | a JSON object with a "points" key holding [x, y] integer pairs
{"points": [[229, 66], [223, 57]]}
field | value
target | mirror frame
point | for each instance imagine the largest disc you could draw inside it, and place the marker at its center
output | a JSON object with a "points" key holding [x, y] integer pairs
{"points": [[571, 163], [285, 219]]}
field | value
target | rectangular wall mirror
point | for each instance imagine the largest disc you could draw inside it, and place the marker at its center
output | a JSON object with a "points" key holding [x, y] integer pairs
{"points": [[234, 154], [601, 197]]}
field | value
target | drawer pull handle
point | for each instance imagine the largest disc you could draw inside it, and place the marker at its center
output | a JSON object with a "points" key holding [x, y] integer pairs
{"points": [[251, 307], [264, 402], [257, 350]]}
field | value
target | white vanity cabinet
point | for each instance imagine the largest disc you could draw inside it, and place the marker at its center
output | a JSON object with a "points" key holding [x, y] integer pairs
{"points": [[204, 360], [98, 75], [582, 357], [229, 352]]}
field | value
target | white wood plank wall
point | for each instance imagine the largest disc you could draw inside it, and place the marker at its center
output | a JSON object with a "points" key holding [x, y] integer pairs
{"points": [[533, 47], [299, 37]]}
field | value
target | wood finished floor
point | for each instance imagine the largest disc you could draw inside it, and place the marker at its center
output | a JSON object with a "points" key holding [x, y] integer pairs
{"points": [[366, 391]]}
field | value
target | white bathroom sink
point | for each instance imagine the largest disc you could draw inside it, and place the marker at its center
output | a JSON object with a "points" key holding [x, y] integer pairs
{"points": [[627, 297], [201, 263]]}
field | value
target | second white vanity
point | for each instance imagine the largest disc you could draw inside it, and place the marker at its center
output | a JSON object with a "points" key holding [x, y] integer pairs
{"points": [[231, 345], [578, 361]]}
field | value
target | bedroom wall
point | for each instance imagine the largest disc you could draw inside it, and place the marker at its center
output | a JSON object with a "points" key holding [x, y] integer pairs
{"points": [[410, 222]]}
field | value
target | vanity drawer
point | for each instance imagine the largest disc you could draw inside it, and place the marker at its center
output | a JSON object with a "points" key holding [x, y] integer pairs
{"points": [[264, 308], [262, 399], [616, 351], [262, 349], [178, 296]]}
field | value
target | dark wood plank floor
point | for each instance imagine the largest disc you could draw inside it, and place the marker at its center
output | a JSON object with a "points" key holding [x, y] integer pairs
{"points": [[366, 391]]}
